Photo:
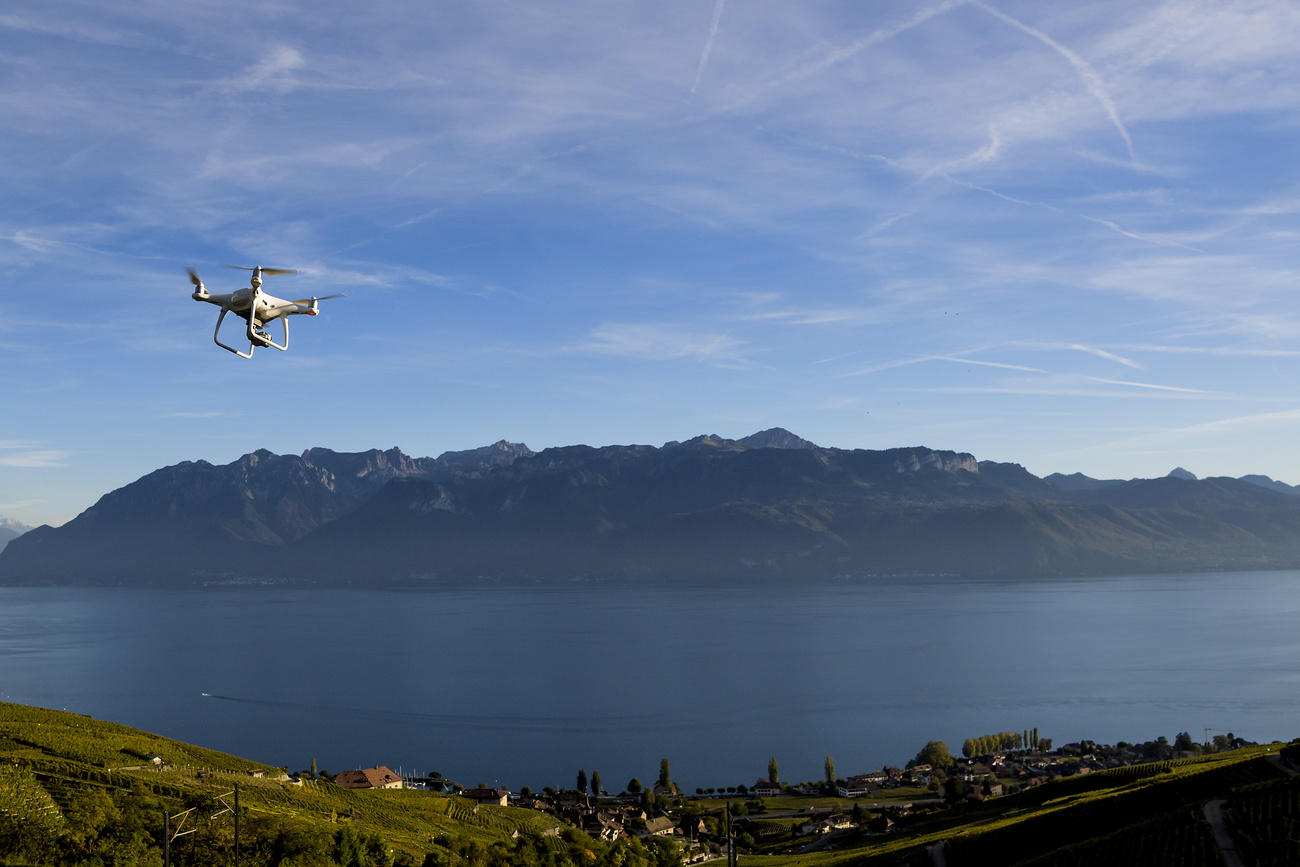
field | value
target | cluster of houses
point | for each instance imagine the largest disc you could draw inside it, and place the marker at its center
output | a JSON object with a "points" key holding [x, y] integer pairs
{"points": [[612, 819], [981, 776]]}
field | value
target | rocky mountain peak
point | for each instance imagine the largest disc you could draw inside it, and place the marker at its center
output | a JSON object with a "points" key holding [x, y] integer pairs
{"points": [[776, 438], [1180, 473]]}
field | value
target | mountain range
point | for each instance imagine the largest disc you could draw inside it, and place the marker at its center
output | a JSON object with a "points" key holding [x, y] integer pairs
{"points": [[771, 506]]}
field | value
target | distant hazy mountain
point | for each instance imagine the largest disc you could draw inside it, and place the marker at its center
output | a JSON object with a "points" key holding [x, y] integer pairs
{"points": [[1079, 482], [1180, 473], [770, 506], [1266, 482], [10, 529]]}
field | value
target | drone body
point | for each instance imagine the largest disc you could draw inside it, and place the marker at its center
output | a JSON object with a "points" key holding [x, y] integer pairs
{"points": [[256, 308]]}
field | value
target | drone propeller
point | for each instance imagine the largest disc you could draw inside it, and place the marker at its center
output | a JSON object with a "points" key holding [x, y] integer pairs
{"points": [[194, 278], [263, 270], [316, 298]]}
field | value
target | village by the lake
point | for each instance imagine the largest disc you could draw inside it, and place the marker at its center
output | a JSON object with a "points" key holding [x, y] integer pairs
{"points": [[773, 816]]}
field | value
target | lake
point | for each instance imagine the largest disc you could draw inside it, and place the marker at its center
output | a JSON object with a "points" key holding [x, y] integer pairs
{"points": [[524, 687]]}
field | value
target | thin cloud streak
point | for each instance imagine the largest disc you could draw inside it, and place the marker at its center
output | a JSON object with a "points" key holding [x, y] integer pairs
{"points": [[1211, 350], [37, 459], [1149, 385], [1057, 391], [848, 52], [1109, 356], [1089, 75], [907, 362], [660, 342], [1218, 426], [708, 43]]}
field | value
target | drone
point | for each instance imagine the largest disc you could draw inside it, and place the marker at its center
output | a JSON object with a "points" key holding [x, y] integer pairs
{"points": [[255, 307]]}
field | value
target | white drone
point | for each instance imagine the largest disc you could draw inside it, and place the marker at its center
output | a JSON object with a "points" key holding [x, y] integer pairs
{"points": [[255, 307]]}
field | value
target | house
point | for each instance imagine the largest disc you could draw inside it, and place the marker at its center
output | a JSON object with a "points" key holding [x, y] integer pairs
{"points": [[381, 777], [494, 797], [824, 825], [853, 787], [766, 789], [605, 824], [661, 826]]}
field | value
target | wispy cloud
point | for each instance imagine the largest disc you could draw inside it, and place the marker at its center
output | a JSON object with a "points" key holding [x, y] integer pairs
{"points": [[1242, 351], [1154, 239], [839, 55], [663, 342], [273, 71], [1178, 435], [1089, 75], [708, 43], [953, 359], [34, 459], [1150, 385], [1080, 347], [984, 154]]}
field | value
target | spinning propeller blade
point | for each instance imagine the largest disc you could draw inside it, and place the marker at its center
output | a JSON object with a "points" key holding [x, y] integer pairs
{"points": [[194, 277], [264, 270], [316, 298]]}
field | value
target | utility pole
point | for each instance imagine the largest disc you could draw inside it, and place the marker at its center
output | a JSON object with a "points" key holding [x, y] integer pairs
{"points": [[236, 824], [168, 836], [731, 838]]}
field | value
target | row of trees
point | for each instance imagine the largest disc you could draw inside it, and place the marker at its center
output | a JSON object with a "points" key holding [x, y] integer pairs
{"points": [[633, 785], [1001, 741]]}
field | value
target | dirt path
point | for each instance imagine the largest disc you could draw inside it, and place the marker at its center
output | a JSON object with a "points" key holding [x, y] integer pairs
{"points": [[1222, 839]]}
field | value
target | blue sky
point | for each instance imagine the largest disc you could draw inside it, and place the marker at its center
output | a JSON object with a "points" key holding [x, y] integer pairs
{"points": [[1058, 234]]}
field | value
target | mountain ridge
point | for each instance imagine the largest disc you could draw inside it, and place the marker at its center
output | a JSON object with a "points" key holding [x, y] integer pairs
{"points": [[770, 506]]}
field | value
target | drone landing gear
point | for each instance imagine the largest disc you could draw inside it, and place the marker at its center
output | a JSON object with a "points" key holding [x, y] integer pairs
{"points": [[256, 337]]}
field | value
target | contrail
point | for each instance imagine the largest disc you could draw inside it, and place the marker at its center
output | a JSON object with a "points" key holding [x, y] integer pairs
{"points": [[1081, 66], [708, 43], [840, 55]]}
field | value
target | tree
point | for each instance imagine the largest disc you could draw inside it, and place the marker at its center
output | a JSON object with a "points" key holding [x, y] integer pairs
{"points": [[968, 748], [830, 770], [664, 776], [595, 783], [953, 790], [633, 786], [582, 781], [936, 754], [772, 775], [313, 769]]}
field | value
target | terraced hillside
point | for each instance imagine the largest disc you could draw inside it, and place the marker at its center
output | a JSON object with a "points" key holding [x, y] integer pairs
{"points": [[77, 790]]}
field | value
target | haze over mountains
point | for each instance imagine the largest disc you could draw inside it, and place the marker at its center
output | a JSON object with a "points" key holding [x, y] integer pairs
{"points": [[769, 506], [10, 529]]}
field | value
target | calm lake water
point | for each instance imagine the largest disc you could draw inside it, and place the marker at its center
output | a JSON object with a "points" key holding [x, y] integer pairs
{"points": [[524, 687]]}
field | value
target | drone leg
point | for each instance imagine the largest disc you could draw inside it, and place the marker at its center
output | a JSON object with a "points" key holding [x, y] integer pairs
{"points": [[216, 337]]}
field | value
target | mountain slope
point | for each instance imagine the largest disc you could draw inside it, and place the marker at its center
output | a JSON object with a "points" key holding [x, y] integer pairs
{"points": [[770, 506]]}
